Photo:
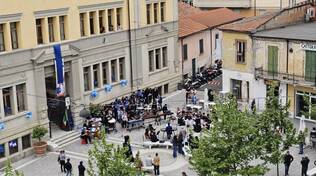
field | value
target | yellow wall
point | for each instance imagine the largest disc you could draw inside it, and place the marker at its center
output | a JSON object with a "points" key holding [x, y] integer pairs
{"points": [[229, 52], [27, 22]]}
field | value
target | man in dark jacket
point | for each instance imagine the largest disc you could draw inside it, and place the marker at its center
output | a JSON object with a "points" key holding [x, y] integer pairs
{"points": [[169, 131], [68, 167], [288, 159], [81, 169], [304, 162]]}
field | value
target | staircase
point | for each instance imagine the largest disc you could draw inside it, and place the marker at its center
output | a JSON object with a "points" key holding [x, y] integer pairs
{"points": [[62, 138]]}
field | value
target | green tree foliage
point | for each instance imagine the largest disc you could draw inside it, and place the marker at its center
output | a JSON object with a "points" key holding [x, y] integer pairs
{"points": [[277, 133], [230, 145], [109, 160], [9, 170]]}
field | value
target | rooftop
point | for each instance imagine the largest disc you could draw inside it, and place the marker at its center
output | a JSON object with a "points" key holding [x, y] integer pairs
{"points": [[303, 31], [193, 20], [249, 24]]}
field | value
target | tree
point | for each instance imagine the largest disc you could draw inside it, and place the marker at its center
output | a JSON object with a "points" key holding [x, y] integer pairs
{"points": [[108, 160], [277, 132], [39, 132], [230, 145], [10, 171]]}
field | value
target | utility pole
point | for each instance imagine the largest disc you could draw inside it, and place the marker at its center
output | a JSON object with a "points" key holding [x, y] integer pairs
{"points": [[255, 8]]}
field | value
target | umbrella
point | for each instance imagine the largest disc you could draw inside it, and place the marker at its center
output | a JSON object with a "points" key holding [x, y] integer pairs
{"points": [[205, 99]]}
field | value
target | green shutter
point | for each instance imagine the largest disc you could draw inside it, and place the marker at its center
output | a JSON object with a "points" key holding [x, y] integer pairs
{"points": [[310, 66], [273, 60]]}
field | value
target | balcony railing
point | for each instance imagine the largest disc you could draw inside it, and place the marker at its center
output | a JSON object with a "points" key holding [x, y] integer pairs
{"points": [[222, 3], [285, 77]]}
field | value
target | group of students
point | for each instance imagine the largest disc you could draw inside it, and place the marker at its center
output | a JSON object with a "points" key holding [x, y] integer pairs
{"points": [[197, 120], [66, 167]]}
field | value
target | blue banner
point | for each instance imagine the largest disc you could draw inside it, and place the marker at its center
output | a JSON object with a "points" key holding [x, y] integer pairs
{"points": [[59, 66]]}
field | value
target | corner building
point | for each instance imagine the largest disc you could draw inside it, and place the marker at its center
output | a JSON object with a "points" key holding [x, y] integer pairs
{"points": [[103, 42]]}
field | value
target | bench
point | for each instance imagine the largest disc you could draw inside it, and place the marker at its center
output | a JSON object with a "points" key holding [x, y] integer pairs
{"points": [[149, 144], [312, 172], [135, 124]]}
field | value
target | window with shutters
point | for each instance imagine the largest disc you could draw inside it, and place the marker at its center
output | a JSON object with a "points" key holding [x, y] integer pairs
{"points": [[82, 24], [51, 29], [2, 44], [273, 52], [148, 13], [14, 35], [91, 21], [39, 31], [151, 60], [162, 11], [310, 66], [240, 51], [201, 46], [62, 27], [155, 12], [185, 51]]}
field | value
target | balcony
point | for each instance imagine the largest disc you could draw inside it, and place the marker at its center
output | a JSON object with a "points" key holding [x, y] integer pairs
{"points": [[222, 3], [285, 77]]}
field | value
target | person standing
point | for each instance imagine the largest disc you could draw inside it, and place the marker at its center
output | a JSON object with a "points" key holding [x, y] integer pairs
{"points": [[313, 137], [62, 160], [68, 167], [169, 130], [156, 163], [304, 163], [301, 138], [288, 159], [81, 169]]}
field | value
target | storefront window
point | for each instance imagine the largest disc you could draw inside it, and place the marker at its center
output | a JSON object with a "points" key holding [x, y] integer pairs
{"points": [[306, 105]]}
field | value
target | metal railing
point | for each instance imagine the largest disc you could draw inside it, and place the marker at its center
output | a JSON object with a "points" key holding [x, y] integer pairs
{"points": [[285, 77]]}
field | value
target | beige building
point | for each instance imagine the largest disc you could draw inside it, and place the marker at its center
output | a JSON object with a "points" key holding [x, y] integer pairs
{"points": [[103, 43], [247, 7], [288, 59], [241, 54]]}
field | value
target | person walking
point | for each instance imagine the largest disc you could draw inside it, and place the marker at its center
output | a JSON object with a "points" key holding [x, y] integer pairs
{"points": [[62, 160], [81, 169], [288, 159], [68, 167], [174, 146], [156, 163], [304, 163]]}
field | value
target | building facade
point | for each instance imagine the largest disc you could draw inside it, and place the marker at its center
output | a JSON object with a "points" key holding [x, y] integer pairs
{"points": [[199, 39], [288, 60], [248, 7], [103, 42], [240, 55]]}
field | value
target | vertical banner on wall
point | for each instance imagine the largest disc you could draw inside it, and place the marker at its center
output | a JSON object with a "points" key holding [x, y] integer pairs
{"points": [[59, 67]]}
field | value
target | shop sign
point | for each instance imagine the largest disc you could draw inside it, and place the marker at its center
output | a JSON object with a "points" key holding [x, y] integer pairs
{"points": [[308, 46]]}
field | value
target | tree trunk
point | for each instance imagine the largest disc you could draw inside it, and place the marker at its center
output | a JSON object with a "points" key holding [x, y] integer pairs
{"points": [[278, 172]]}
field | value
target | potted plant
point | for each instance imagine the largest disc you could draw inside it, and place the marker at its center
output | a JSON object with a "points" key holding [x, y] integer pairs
{"points": [[40, 146]]}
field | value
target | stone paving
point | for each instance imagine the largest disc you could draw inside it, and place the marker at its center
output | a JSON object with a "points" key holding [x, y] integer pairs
{"points": [[48, 166]]}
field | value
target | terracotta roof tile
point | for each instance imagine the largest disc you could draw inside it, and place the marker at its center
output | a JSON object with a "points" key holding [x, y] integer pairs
{"points": [[192, 19], [213, 18], [250, 23], [187, 26]]}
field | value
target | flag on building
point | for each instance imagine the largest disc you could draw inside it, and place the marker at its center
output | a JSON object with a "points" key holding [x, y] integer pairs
{"points": [[59, 67]]}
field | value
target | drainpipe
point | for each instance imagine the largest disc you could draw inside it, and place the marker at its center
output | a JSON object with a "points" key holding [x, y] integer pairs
{"points": [[211, 46], [182, 60], [287, 67], [130, 44]]}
